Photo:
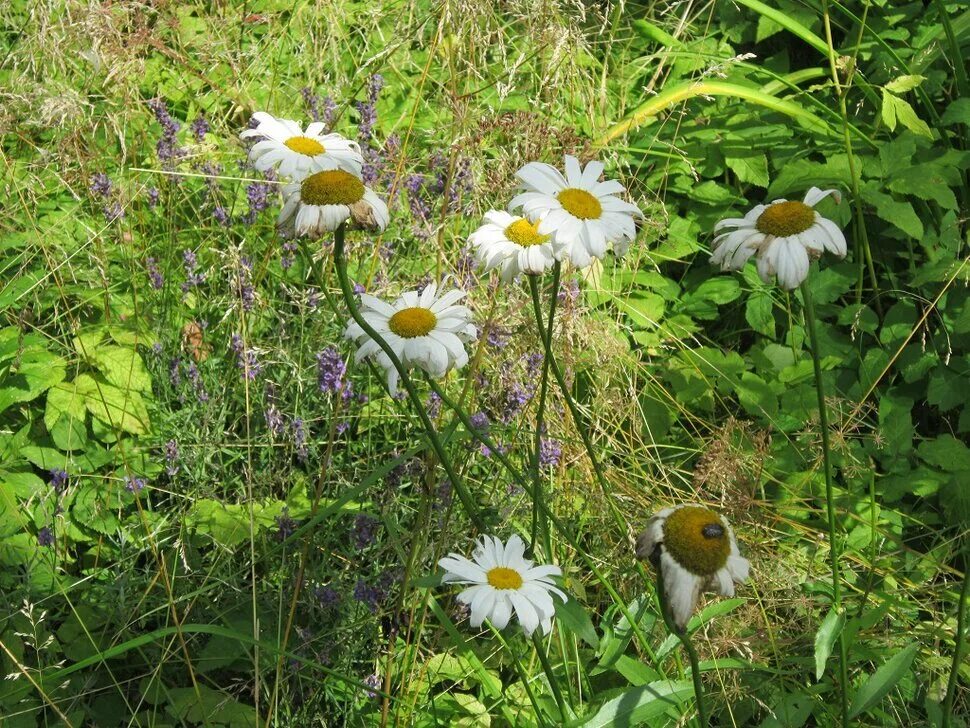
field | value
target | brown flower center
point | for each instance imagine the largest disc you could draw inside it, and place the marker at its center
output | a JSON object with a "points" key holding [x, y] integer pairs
{"points": [[785, 218], [697, 539], [334, 187], [502, 577], [524, 233], [580, 203], [409, 323], [305, 145]]}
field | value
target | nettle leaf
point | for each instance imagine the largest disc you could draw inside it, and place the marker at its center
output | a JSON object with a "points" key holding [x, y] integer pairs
{"points": [[896, 425], [946, 453], [756, 396], [759, 313], [65, 417], [123, 367], [957, 112], [947, 389], [703, 301], [752, 169], [926, 182], [898, 213], [118, 408]]}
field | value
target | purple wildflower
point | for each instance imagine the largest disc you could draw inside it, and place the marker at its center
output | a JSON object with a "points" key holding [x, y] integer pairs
{"points": [[199, 127], [364, 530], [328, 597], [100, 184], [299, 439], [167, 146], [135, 485], [374, 683], [192, 276], [568, 291], [496, 336], [58, 479], [330, 370], [433, 405], [479, 421], [244, 284], [287, 258], [550, 452], [114, 212], [196, 378], [153, 195], [171, 457], [154, 274], [45, 537], [245, 358], [285, 526], [221, 215], [370, 595], [274, 420]]}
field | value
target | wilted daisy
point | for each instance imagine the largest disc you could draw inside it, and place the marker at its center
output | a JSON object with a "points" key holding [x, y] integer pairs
{"points": [[785, 236], [695, 550], [425, 330], [582, 214], [322, 201], [502, 580], [513, 244], [283, 144]]}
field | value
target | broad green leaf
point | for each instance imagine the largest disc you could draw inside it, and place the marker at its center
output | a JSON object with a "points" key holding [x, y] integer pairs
{"points": [[122, 409], [905, 114], [759, 313], [638, 705], [899, 213], [573, 615], [945, 452], [903, 84], [825, 638], [958, 112], [65, 416], [883, 680], [756, 396], [752, 169], [123, 367]]}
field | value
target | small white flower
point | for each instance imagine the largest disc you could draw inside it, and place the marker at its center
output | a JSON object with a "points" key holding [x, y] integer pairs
{"points": [[283, 144], [582, 214], [323, 201], [502, 580], [512, 244], [696, 551], [785, 236], [423, 329]]}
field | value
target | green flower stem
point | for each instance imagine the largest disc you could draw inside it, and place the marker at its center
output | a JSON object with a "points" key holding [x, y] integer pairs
{"points": [[516, 476], [463, 495], [523, 676], [539, 523], [834, 546], [550, 676], [959, 643], [684, 637]]}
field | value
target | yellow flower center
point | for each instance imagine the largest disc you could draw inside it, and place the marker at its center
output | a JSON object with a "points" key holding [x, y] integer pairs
{"points": [[411, 322], [786, 218], [502, 577], [335, 187], [524, 233], [697, 539], [305, 145], [580, 203]]}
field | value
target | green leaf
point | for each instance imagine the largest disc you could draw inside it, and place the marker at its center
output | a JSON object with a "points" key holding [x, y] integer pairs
{"points": [[759, 313], [122, 367], [654, 33], [65, 416], [905, 114], [753, 169], [900, 214], [825, 638], [756, 396], [638, 705], [945, 452], [958, 112], [883, 680], [905, 83], [123, 409], [573, 616]]}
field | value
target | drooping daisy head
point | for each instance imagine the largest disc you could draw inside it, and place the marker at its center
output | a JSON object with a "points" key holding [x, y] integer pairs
{"points": [[423, 329], [512, 244], [785, 237], [695, 550], [321, 202], [284, 144], [583, 215], [502, 580]]}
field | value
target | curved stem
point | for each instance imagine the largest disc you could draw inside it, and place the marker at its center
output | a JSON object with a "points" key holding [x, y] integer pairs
{"points": [[834, 547], [684, 637], [463, 495], [959, 643], [550, 676]]}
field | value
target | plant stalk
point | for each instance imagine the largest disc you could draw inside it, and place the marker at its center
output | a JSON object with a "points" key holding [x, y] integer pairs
{"points": [[834, 548], [959, 642], [684, 637]]}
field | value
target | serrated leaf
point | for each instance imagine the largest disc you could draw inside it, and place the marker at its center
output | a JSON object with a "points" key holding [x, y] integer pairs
{"points": [[123, 409], [906, 115], [899, 213], [827, 635], [65, 416], [883, 680], [759, 313], [752, 169], [958, 112], [122, 367], [905, 83]]}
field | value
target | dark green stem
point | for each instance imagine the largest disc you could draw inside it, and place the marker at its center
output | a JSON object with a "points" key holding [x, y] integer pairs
{"points": [[834, 547], [550, 676], [538, 522], [463, 495], [959, 643], [695, 668]]}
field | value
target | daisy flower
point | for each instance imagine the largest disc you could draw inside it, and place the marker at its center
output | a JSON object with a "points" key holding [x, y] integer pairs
{"points": [[785, 236], [323, 201], [583, 216], [283, 144], [512, 244], [695, 550], [425, 330], [502, 580]]}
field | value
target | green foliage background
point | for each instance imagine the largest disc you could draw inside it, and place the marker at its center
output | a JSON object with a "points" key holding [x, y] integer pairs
{"points": [[187, 603]]}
